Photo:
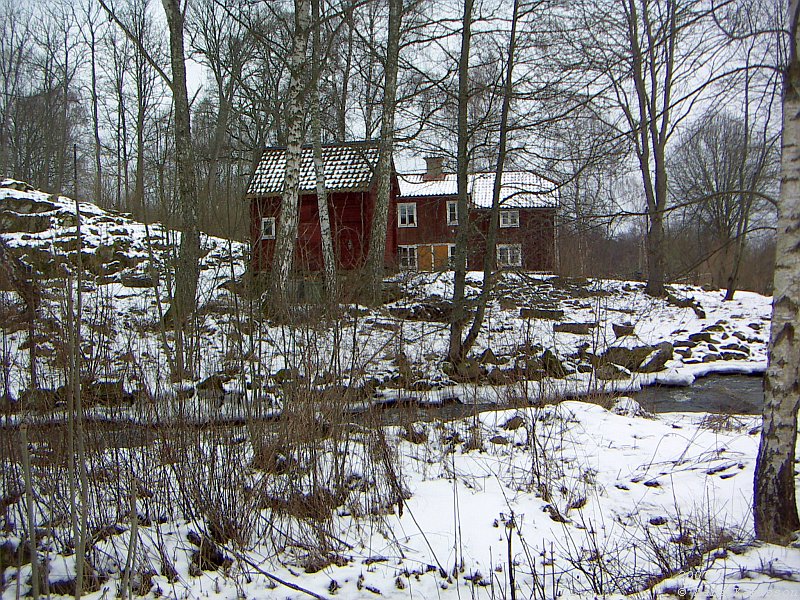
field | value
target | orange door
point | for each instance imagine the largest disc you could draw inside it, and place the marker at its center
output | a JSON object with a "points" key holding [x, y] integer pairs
{"points": [[440, 257], [425, 258]]}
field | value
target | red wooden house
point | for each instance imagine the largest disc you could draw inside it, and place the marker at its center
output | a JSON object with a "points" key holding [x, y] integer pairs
{"points": [[351, 184], [423, 215], [427, 219]]}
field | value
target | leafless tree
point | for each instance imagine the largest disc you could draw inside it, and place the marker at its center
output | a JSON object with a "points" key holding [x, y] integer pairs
{"points": [[722, 171], [644, 59], [774, 501], [380, 217], [15, 54], [286, 237]]}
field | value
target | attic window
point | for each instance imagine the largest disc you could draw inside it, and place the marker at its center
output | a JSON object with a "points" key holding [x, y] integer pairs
{"points": [[452, 212], [267, 228], [509, 218], [407, 214]]}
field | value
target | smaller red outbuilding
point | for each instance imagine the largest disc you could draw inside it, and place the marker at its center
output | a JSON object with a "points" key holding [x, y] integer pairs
{"points": [[351, 184]]}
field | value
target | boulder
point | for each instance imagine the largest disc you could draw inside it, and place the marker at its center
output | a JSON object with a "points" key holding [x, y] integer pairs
{"points": [[551, 314], [622, 330], [703, 336], [489, 358], [657, 359], [514, 423], [107, 392], [529, 368], [576, 328], [12, 222], [552, 365], [630, 358], [611, 372]]}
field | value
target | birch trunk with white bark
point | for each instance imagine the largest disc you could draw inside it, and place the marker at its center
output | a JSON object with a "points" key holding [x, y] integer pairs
{"points": [[328, 257], [774, 501], [289, 217]]}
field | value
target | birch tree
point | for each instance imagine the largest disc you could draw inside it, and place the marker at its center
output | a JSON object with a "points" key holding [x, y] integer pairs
{"points": [[774, 500], [328, 257], [290, 202]]}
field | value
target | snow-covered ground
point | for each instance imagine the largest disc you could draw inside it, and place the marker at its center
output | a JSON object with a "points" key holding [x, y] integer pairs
{"points": [[589, 497]]}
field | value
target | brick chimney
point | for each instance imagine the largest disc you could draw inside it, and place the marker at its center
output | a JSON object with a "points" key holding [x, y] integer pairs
{"points": [[433, 168]]}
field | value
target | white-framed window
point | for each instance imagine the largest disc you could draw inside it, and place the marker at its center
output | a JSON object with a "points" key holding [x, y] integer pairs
{"points": [[267, 228], [509, 255], [452, 212], [407, 257], [451, 256], [407, 214], [509, 218]]}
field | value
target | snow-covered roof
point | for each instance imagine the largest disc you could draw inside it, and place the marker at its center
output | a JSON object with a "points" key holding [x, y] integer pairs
{"points": [[520, 189], [348, 167]]}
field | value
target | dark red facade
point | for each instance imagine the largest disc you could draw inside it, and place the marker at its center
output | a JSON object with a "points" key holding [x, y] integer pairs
{"points": [[535, 235], [351, 221]]}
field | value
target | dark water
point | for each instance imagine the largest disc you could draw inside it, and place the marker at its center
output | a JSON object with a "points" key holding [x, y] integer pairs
{"points": [[738, 394], [727, 394]]}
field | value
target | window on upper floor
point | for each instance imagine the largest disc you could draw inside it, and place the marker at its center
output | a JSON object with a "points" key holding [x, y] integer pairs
{"points": [[267, 228], [509, 218], [407, 214], [452, 212], [509, 255]]}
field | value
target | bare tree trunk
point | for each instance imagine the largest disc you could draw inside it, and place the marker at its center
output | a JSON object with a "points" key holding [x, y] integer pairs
{"points": [[341, 116], [455, 352], [290, 202], [187, 270], [774, 502], [328, 257], [490, 257], [90, 37], [380, 217]]}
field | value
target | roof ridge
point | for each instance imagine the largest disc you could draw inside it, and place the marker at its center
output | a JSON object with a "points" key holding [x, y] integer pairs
{"points": [[347, 144]]}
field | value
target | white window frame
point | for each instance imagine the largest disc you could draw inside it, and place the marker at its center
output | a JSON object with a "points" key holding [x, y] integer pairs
{"points": [[509, 218], [407, 214], [513, 256], [452, 217], [451, 256], [403, 261], [266, 235]]}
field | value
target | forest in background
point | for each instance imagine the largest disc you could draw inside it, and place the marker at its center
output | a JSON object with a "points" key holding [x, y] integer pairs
{"points": [[687, 132]]}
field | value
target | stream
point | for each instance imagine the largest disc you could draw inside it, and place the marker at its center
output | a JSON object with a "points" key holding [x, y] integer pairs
{"points": [[736, 394], [727, 394]]}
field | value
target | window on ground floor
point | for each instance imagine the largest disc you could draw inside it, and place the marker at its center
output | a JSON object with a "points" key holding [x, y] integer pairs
{"points": [[509, 255], [267, 228], [407, 257], [451, 256]]}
